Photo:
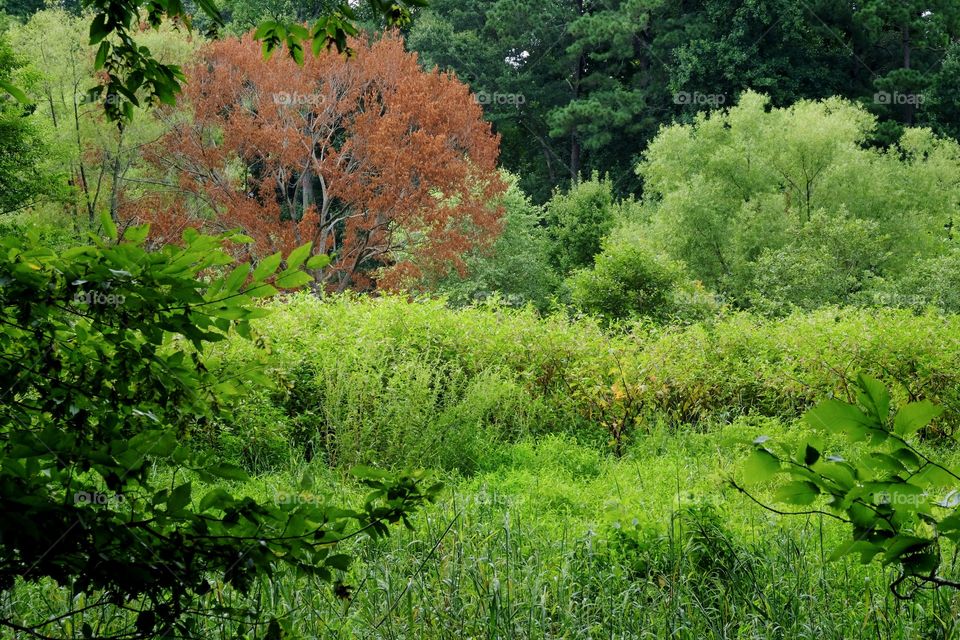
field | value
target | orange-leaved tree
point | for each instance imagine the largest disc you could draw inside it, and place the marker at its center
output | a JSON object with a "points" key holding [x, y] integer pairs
{"points": [[389, 168]]}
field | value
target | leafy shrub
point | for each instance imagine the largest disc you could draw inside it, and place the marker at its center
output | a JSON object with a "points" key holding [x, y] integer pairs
{"points": [[629, 281], [578, 221], [518, 267], [398, 382], [899, 502], [108, 383], [833, 259], [931, 282]]}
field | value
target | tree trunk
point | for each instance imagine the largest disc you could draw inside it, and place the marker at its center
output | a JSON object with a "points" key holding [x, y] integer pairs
{"points": [[307, 186]]}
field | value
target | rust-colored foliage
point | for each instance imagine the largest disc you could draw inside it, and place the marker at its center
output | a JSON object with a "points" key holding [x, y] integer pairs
{"points": [[388, 167]]}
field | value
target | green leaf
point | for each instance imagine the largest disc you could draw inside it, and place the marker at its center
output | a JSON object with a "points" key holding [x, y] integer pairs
{"points": [[236, 279], [840, 417], [136, 234], [318, 261], [299, 255], [102, 53], [14, 91], [267, 266], [867, 550], [265, 29], [798, 492], [227, 471], [218, 498], [903, 544], [874, 397], [108, 225], [339, 561], [98, 28], [914, 416], [760, 466], [179, 498], [293, 280]]}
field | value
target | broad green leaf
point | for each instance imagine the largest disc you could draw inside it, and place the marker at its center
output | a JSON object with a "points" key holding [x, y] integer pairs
{"points": [[875, 397], [108, 225], [914, 416], [800, 492], [266, 267], [318, 261], [867, 550], [227, 471], [293, 280], [15, 91], [215, 498], [760, 466], [236, 279], [339, 561], [265, 28], [299, 255], [179, 498], [902, 545], [136, 234], [840, 417]]}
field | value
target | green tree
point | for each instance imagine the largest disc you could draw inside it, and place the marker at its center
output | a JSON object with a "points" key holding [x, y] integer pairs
{"points": [[101, 163], [517, 267], [908, 41], [511, 53], [753, 181]]}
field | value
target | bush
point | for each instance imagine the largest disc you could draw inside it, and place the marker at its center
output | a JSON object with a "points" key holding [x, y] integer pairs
{"points": [[628, 281], [932, 282], [834, 259], [578, 221], [398, 382], [517, 269]]}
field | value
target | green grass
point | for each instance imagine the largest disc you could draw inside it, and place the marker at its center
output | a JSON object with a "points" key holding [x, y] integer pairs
{"points": [[552, 539]]}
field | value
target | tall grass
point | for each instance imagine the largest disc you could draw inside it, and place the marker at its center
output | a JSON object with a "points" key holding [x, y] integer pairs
{"points": [[551, 540], [393, 382]]}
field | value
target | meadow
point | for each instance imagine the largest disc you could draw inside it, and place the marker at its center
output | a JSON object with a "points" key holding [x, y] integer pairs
{"points": [[547, 525]]}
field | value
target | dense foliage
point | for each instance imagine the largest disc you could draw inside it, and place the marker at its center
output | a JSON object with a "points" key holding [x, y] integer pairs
{"points": [[899, 502], [579, 259], [106, 383]]}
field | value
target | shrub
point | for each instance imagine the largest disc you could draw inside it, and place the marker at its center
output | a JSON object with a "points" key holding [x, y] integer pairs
{"points": [[627, 281], [931, 282], [578, 221], [396, 381]]}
